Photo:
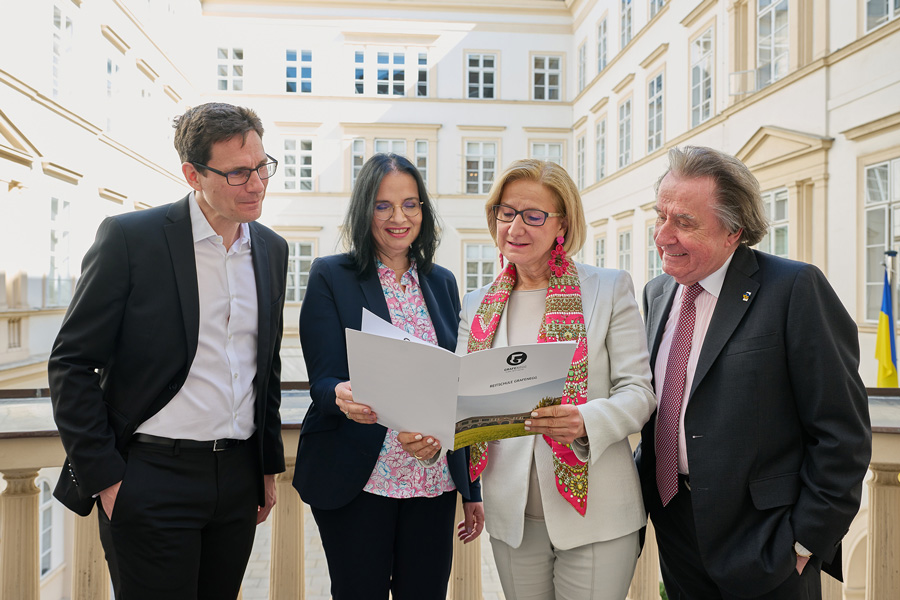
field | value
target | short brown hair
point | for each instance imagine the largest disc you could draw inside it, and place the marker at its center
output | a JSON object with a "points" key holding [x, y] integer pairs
{"points": [[557, 180], [202, 126], [738, 203]]}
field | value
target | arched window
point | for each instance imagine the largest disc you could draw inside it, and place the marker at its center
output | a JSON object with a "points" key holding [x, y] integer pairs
{"points": [[46, 527]]}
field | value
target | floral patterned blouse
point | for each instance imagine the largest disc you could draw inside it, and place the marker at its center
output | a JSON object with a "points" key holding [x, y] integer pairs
{"points": [[397, 474]]}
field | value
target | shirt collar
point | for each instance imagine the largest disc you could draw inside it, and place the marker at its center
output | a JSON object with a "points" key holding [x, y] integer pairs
{"points": [[713, 282], [412, 271], [201, 229]]}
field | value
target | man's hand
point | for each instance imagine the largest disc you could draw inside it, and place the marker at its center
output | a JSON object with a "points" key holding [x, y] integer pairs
{"points": [[263, 511], [801, 563], [108, 498], [562, 423], [473, 525]]}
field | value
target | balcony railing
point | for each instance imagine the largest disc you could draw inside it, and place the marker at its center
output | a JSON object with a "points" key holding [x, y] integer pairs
{"points": [[29, 442]]}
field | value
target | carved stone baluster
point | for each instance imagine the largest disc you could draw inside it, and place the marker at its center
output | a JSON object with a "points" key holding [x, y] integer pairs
{"points": [[286, 578], [645, 585], [465, 574], [883, 565], [19, 567], [90, 575]]}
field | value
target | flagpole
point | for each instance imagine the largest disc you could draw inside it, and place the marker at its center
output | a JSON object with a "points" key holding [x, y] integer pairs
{"points": [[889, 262]]}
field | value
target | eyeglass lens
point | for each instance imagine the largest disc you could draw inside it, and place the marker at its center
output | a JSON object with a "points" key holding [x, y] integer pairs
{"points": [[242, 176], [385, 210], [530, 216]]}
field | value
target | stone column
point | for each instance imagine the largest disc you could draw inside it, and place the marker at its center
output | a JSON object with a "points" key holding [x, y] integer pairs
{"points": [[465, 574], [832, 589], [286, 578], [645, 585], [19, 567], [90, 575], [883, 564]]}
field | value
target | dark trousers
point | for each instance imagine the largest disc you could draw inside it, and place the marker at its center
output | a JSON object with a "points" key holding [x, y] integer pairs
{"points": [[375, 544], [682, 568], [183, 524]]}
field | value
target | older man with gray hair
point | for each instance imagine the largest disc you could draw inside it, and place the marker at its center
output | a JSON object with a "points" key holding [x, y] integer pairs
{"points": [[752, 466]]}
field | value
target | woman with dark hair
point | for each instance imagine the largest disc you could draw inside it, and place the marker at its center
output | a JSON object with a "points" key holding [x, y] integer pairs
{"points": [[385, 517]]}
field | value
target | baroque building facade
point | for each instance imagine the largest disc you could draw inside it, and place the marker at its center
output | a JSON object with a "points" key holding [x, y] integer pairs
{"points": [[804, 91]]}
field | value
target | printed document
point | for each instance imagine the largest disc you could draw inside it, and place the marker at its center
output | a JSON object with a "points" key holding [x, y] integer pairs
{"points": [[415, 386]]}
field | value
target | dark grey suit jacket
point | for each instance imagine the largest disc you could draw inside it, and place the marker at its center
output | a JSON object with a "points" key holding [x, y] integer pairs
{"points": [[130, 334], [777, 424]]}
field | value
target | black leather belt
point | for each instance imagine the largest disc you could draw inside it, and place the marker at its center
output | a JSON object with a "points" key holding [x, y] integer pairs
{"points": [[214, 445]]}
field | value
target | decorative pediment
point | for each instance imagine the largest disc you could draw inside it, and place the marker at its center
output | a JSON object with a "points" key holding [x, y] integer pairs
{"points": [[772, 145], [14, 145]]}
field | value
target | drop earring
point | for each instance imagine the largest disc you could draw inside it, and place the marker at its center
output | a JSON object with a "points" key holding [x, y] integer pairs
{"points": [[558, 262]]}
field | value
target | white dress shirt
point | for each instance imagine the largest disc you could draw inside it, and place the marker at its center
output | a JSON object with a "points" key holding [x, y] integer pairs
{"points": [[705, 304], [217, 399]]}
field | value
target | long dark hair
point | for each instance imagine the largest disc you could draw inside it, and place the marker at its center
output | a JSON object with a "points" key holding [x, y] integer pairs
{"points": [[357, 229]]}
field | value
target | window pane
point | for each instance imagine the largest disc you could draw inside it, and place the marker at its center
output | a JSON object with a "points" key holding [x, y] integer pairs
{"points": [[876, 183]]}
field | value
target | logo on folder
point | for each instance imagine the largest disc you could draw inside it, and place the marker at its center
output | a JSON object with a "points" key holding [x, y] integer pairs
{"points": [[516, 358]]}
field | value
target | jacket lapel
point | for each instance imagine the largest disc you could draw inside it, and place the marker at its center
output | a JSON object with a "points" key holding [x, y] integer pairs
{"points": [[730, 309], [260, 257], [446, 338], [180, 239], [659, 314], [375, 301]]}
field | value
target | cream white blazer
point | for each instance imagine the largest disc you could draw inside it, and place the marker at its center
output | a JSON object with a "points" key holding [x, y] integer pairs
{"points": [[620, 400]]}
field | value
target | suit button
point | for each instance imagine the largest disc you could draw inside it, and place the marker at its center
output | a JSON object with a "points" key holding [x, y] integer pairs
{"points": [[173, 387]]}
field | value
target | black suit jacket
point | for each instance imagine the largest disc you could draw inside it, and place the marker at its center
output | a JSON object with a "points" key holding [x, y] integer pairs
{"points": [[128, 339], [336, 455], [777, 424]]}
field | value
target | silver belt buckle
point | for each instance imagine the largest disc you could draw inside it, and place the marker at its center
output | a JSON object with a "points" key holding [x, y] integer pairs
{"points": [[216, 446]]}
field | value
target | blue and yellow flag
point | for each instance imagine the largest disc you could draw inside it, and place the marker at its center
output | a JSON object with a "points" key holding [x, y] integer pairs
{"points": [[885, 347]]}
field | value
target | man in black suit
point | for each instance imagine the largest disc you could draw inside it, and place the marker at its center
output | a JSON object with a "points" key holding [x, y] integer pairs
{"points": [[165, 376], [752, 466]]}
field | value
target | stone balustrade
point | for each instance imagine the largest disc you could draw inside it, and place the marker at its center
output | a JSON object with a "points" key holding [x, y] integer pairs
{"points": [[30, 444]]}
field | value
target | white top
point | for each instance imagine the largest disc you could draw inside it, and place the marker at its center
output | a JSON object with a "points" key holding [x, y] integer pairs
{"points": [[526, 310], [705, 304], [217, 399]]}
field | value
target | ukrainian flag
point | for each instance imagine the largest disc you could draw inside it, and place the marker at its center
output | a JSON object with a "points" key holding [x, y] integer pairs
{"points": [[885, 347]]}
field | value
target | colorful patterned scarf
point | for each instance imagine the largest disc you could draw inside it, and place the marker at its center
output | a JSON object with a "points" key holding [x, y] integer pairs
{"points": [[563, 321]]}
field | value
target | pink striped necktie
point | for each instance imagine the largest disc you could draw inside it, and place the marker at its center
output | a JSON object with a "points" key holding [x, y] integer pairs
{"points": [[669, 412]]}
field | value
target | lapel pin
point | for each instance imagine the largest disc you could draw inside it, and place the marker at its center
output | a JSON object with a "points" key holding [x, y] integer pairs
{"points": [[746, 297]]}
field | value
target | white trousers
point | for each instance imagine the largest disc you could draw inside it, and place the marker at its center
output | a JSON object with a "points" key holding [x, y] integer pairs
{"points": [[538, 571]]}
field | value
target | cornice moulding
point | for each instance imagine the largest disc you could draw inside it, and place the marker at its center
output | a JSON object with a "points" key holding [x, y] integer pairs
{"points": [[114, 38], [622, 84], [60, 172], [693, 16], [600, 104]]}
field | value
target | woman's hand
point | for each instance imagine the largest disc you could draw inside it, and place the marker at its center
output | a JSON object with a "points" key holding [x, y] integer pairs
{"points": [[561, 423], [418, 446], [360, 413], [473, 525]]}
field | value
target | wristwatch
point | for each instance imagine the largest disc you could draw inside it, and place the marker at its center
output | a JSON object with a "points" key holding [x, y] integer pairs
{"points": [[801, 550]]}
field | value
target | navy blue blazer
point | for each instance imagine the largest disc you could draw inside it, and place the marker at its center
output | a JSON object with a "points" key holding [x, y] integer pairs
{"points": [[336, 455]]}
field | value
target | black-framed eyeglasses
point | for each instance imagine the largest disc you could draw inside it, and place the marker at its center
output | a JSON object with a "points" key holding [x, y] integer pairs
{"points": [[530, 216], [385, 210], [242, 176]]}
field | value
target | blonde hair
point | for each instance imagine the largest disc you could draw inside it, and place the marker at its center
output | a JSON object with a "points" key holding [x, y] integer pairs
{"points": [[557, 180]]}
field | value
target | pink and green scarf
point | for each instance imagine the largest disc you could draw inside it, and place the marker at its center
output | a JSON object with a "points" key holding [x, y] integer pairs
{"points": [[563, 321]]}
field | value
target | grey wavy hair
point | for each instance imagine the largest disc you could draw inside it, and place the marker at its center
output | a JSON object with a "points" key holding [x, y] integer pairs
{"points": [[738, 203]]}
